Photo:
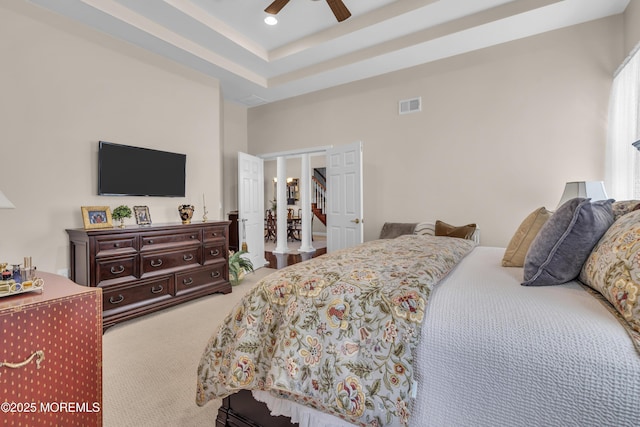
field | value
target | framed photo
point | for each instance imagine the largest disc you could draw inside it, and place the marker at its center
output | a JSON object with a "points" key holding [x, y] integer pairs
{"points": [[96, 217], [142, 215]]}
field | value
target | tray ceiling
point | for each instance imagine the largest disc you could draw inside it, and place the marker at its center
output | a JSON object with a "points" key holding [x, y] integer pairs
{"points": [[308, 49]]}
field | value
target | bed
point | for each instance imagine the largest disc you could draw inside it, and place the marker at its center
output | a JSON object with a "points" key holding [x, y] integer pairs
{"points": [[425, 330]]}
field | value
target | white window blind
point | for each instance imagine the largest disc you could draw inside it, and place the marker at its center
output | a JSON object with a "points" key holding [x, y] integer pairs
{"points": [[622, 159]]}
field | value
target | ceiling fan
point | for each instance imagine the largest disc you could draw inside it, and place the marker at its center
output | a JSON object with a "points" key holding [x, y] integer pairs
{"points": [[337, 7]]}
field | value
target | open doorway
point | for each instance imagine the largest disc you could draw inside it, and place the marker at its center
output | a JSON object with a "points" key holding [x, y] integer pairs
{"points": [[341, 199], [317, 180]]}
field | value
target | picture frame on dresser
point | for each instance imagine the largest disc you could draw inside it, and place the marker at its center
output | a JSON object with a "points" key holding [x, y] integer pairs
{"points": [[142, 215], [96, 217]]}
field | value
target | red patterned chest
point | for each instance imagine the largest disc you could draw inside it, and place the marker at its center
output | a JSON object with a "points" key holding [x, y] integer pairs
{"points": [[61, 327]]}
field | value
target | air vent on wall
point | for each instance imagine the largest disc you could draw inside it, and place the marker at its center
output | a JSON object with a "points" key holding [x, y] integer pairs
{"points": [[252, 100], [412, 105]]}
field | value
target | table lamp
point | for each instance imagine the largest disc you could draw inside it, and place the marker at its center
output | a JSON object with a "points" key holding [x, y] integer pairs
{"points": [[593, 190], [4, 202]]}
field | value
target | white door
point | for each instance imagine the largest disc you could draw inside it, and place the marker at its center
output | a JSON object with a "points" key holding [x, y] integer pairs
{"points": [[344, 196], [251, 207]]}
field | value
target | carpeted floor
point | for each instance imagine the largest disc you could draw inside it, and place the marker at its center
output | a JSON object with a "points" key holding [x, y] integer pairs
{"points": [[150, 363]]}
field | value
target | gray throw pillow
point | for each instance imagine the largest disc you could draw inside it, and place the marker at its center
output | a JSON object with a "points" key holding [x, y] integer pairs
{"points": [[391, 230], [565, 241]]}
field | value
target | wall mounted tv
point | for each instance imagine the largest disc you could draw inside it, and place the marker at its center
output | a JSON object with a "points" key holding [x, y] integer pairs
{"points": [[124, 170]]}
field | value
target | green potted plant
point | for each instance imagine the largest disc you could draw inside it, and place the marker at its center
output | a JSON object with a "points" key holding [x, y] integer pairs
{"points": [[120, 213], [238, 266]]}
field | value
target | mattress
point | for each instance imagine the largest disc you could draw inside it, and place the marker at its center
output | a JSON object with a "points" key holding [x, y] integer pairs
{"points": [[495, 353]]}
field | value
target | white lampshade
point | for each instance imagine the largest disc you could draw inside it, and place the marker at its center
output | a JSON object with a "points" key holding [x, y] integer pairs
{"points": [[593, 190], [5, 203]]}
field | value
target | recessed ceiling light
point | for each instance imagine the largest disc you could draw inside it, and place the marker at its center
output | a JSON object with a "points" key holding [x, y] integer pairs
{"points": [[270, 20]]}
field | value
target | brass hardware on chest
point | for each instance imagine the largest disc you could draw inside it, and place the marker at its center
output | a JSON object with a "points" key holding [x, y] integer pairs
{"points": [[157, 289], [215, 274], [187, 281], [187, 257], [39, 355], [215, 252], [156, 263]]}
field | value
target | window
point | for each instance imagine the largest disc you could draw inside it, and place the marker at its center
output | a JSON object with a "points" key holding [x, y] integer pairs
{"points": [[622, 159]]}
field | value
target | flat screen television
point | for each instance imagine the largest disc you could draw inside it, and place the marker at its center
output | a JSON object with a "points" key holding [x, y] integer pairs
{"points": [[124, 170]]}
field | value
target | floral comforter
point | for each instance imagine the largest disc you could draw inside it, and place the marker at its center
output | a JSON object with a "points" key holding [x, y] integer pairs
{"points": [[337, 333]]}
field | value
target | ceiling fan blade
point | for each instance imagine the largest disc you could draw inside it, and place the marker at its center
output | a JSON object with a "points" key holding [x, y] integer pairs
{"points": [[276, 6], [339, 9]]}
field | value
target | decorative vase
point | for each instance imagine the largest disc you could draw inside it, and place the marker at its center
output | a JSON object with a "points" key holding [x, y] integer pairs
{"points": [[121, 222], [186, 212]]}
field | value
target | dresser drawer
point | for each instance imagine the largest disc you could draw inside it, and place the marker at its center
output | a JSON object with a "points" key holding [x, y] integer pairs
{"points": [[128, 296], [162, 262], [115, 246], [214, 252], [214, 232], [155, 241], [197, 279], [114, 270]]}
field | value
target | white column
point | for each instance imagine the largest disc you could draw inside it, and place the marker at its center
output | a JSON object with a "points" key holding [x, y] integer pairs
{"points": [[305, 200], [281, 209]]}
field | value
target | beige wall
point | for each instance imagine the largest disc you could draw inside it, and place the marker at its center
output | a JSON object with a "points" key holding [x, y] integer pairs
{"points": [[64, 87], [500, 132], [631, 26], [234, 140]]}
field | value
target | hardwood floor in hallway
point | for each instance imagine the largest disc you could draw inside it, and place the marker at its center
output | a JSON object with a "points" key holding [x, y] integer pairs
{"points": [[278, 261]]}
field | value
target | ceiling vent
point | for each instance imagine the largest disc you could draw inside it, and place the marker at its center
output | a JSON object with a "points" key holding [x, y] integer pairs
{"points": [[252, 100], [412, 105]]}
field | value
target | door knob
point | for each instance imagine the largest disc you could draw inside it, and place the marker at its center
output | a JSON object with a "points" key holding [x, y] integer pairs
{"points": [[357, 220]]}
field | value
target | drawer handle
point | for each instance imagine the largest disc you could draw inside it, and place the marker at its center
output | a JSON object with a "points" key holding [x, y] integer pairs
{"points": [[193, 237], [39, 354], [157, 290], [116, 245], [118, 271], [187, 281], [150, 241], [157, 263], [215, 274], [215, 253], [116, 301], [214, 234], [187, 257]]}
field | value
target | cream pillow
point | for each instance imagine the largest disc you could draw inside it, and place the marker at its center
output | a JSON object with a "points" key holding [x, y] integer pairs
{"points": [[519, 245]]}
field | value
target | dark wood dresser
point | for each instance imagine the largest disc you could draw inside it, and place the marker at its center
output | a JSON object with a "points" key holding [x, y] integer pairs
{"points": [[142, 269], [51, 355]]}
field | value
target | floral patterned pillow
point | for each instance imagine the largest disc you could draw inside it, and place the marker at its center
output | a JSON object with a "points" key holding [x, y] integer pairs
{"points": [[613, 267], [623, 207]]}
